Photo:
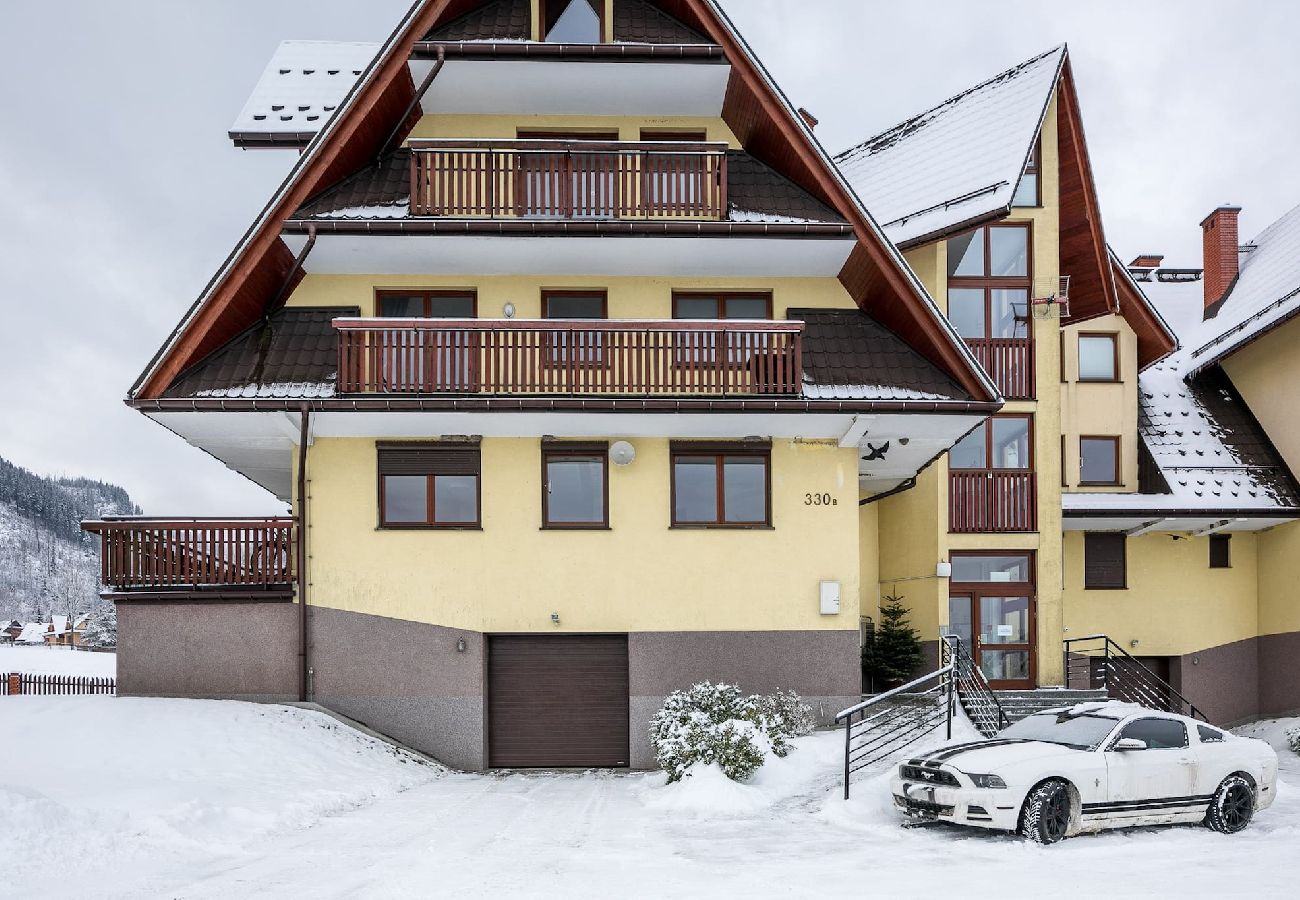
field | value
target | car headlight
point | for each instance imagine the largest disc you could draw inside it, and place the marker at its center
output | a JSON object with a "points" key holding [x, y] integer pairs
{"points": [[988, 781]]}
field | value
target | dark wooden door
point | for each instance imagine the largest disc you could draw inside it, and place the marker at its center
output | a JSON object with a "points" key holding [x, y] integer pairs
{"points": [[557, 701]]}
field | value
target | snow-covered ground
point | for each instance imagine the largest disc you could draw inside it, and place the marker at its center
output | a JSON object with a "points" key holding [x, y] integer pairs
{"points": [[209, 799], [57, 661]]}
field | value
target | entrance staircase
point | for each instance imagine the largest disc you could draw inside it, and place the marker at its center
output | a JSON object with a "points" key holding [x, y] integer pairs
{"points": [[1096, 669]]}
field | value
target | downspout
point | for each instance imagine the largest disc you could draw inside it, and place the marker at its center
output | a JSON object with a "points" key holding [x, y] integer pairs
{"points": [[419, 95], [305, 666]]}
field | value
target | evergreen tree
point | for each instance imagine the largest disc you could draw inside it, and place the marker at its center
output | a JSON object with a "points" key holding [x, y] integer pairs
{"points": [[101, 629], [893, 655]]}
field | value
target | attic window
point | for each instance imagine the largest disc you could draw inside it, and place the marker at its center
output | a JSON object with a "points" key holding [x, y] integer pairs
{"points": [[1027, 192], [573, 21]]}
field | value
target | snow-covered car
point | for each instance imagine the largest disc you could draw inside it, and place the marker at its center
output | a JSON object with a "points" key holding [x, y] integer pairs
{"points": [[1092, 766]]}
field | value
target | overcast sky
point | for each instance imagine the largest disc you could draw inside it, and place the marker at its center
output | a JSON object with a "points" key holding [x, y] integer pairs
{"points": [[121, 195]]}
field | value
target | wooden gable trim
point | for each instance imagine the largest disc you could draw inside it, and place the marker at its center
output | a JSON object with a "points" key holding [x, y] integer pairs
{"points": [[1084, 256], [1154, 339]]}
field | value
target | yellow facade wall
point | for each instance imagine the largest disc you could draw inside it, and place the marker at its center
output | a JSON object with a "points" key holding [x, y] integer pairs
{"points": [[1175, 603], [1256, 371], [1094, 408], [629, 297], [1279, 575], [640, 575], [497, 127]]}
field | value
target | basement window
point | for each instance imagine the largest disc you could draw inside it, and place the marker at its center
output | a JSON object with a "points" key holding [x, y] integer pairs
{"points": [[1220, 551], [573, 21]]}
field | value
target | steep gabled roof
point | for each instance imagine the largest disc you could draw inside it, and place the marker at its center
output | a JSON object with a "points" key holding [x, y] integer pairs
{"points": [[1155, 337], [1265, 295], [763, 119], [957, 166], [958, 163]]}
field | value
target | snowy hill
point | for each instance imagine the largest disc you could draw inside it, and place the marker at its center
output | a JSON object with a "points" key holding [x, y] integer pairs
{"points": [[47, 564]]}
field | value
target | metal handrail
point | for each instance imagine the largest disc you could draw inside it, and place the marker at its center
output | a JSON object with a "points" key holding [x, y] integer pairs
{"points": [[1153, 685], [971, 674]]}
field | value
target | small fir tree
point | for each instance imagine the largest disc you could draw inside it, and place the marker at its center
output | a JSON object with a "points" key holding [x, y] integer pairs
{"points": [[893, 654], [101, 630]]}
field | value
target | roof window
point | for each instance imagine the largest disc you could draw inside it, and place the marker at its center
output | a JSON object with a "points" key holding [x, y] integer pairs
{"points": [[573, 21]]}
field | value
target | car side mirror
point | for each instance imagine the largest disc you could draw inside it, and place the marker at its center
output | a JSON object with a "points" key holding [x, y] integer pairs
{"points": [[1125, 744]]}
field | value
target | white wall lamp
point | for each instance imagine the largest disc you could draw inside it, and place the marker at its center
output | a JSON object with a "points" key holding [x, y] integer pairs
{"points": [[508, 310], [943, 569], [555, 619]]}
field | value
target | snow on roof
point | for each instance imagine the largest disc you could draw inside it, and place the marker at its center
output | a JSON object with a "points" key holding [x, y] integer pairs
{"points": [[1266, 293], [33, 633], [60, 624], [302, 86], [959, 161]]}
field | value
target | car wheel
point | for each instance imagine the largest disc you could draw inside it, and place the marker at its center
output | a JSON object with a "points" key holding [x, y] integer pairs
{"points": [[1046, 816], [1232, 807]]}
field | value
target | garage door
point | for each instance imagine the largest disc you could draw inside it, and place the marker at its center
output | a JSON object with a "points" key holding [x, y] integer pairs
{"points": [[557, 701]]}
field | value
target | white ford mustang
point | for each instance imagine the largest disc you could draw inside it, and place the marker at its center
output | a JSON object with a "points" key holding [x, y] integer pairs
{"points": [[1092, 766]]}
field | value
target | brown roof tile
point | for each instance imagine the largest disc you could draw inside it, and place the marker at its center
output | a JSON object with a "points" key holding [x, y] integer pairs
{"points": [[847, 355], [501, 20], [638, 22]]}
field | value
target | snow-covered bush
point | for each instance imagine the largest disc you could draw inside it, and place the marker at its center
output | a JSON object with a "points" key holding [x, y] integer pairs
{"points": [[715, 724], [101, 629], [1293, 738]]}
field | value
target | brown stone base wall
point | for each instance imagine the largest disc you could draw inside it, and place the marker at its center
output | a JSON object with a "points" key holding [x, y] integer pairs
{"points": [[1222, 681], [821, 666], [404, 679], [235, 651], [1279, 674]]}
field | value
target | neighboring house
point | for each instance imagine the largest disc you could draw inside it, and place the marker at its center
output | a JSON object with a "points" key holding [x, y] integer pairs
{"points": [[9, 633], [576, 359], [33, 633], [57, 633]]}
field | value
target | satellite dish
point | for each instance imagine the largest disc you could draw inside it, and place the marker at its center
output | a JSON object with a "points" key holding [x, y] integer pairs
{"points": [[622, 453]]}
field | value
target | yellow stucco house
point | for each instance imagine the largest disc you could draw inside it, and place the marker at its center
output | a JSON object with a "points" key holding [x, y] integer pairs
{"points": [[587, 373]]}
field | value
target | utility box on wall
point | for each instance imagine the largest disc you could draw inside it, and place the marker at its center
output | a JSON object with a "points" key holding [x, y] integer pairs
{"points": [[830, 598]]}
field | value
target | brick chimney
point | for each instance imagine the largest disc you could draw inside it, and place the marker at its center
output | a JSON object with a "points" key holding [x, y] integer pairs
{"points": [[1219, 243], [1147, 261]]}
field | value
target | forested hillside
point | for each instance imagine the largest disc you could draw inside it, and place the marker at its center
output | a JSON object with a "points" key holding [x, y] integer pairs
{"points": [[47, 564]]}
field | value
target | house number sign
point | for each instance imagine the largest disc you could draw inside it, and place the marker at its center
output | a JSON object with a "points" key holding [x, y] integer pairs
{"points": [[820, 500]]}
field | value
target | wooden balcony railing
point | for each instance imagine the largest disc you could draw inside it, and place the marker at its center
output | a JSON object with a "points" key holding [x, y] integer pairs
{"points": [[568, 179], [995, 501], [1009, 362], [569, 357], [174, 554]]}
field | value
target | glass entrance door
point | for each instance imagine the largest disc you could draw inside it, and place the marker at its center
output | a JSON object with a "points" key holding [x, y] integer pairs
{"points": [[991, 609]]}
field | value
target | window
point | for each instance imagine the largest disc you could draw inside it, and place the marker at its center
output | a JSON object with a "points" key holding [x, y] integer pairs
{"points": [[583, 348], [427, 304], [1098, 357], [429, 485], [681, 136], [1209, 735], [722, 306], [1099, 460], [1220, 551], [988, 276], [1157, 734], [573, 21], [720, 485], [1001, 442], [1105, 563], [578, 183], [575, 485], [992, 568], [1027, 192], [428, 360]]}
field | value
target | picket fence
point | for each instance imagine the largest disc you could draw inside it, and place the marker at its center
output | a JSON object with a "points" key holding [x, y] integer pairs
{"points": [[13, 683]]}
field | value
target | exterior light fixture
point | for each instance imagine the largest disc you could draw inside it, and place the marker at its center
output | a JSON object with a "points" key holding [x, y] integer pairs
{"points": [[461, 645], [943, 569], [508, 310], [555, 619], [1133, 643]]}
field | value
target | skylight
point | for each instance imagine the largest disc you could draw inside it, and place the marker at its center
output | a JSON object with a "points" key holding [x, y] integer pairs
{"points": [[578, 24]]}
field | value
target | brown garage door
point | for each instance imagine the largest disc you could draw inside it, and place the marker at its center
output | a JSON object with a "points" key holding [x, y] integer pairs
{"points": [[557, 701]]}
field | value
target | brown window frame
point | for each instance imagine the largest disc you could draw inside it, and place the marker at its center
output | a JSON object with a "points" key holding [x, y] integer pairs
{"points": [[1114, 347], [548, 22], [1220, 551], [1091, 536], [675, 135], [1119, 460], [720, 452], [721, 296], [426, 295], [988, 445], [430, 523], [555, 357], [574, 449], [1034, 166], [990, 283]]}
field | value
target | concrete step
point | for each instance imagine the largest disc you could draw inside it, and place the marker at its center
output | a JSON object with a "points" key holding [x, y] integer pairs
{"points": [[1018, 704]]}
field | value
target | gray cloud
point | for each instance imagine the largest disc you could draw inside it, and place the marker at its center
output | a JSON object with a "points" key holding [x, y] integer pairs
{"points": [[121, 194]]}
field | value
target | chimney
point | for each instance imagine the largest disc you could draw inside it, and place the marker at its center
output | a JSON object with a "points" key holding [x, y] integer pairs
{"points": [[1219, 243], [809, 119], [1147, 261]]}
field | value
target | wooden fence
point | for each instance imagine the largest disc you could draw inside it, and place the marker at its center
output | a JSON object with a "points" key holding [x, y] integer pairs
{"points": [[15, 683]]}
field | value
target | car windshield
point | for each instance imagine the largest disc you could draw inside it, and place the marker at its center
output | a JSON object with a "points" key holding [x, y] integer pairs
{"points": [[1082, 732]]}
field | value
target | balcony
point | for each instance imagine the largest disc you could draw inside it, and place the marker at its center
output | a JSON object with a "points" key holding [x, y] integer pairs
{"points": [[1009, 362], [992, 501], [197, 557], [509, 357], [550, 179]]}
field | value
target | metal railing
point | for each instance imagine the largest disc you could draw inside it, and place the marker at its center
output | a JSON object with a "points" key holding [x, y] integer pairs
{"points": [[568, 179], [141, 553], [570, 357], [1096, 661], [977, 698]]}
